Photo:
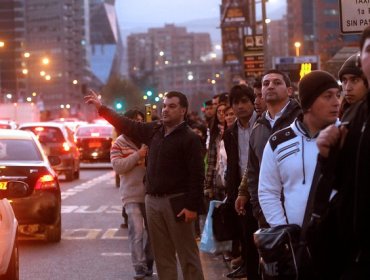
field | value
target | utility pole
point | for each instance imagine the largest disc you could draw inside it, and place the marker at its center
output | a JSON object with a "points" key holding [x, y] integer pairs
{"points": [[265, 35]]}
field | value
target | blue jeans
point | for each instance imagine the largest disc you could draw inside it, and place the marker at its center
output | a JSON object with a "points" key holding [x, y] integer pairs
{"points": [[141, 253]]}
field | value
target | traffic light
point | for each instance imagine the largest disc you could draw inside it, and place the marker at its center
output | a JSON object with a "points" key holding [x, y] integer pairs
{"points": [[119, 105], [148, 112], [149, 92]]}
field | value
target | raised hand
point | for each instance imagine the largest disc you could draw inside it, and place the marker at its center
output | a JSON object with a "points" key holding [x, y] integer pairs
{"points": [[93, 98]]}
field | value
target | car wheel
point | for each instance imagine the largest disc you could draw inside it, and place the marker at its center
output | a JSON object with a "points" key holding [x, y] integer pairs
{"points": [[54, 232], [69, 175], [12, 272]]}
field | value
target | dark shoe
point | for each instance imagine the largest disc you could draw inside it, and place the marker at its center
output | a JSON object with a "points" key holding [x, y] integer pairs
{"points": [[140, 273], [149, 270], [227, 256], [240, 272], [237, 262], [124, 225]]}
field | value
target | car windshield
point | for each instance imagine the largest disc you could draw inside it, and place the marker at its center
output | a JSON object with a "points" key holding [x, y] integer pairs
{"points": [[19, 150], [94, 131], [47, 134]]}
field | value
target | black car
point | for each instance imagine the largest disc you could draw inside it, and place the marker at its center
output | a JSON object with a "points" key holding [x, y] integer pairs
{"points": [[23, 159], [57, 140], [94, 142]]}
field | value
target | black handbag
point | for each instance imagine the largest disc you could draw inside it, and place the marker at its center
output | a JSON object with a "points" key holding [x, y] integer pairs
{"points": [[281, 253], [225, 219], [283, 250]]}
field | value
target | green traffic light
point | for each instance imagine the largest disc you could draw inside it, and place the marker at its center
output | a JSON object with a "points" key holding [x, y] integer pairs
{"points": [[149, 93], [119, 106]]}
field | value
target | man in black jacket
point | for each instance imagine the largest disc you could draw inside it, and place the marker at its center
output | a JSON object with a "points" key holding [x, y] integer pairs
{"points": [[349, 173], [236, 145], [281, 112], [175, 169]]}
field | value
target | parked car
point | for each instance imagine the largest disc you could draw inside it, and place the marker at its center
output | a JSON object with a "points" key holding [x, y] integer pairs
{"points": [[94, 142], [57, 140], [23, 159], [7, 124], [72, 123], [9, 254]]}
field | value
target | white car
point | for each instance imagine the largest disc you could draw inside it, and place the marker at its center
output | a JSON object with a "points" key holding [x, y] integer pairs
{"points": [[9, 257]]}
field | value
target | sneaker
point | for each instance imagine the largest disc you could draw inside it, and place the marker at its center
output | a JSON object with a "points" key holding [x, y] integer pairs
{"points": [[140, 273]]}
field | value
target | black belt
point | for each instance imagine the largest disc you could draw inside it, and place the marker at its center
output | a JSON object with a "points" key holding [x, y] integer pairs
{"points": [[160, 194], [163, 194]]}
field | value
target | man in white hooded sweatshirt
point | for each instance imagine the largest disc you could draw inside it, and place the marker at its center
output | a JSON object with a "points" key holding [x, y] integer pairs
{"points": [[290, 156]]}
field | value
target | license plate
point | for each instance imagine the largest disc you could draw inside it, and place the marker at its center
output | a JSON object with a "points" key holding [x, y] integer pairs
{"points": [[3, 185], [94, 145]]}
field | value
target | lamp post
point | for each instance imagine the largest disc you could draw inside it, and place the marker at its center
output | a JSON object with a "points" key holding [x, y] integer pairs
{"points": [[297, 45]]}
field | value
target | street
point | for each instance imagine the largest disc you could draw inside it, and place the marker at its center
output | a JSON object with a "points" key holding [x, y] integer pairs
{"points": [[93, 245]]}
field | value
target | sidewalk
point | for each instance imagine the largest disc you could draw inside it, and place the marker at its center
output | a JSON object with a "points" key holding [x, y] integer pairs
{"points": [[214, 267]]}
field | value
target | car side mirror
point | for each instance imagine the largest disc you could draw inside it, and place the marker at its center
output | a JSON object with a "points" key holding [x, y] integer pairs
{"points": [[54, 160], [13, 189]]}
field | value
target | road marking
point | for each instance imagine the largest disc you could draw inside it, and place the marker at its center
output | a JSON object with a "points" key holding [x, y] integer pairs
{"points": [[87, 185], [90, 234], [111, 234], [80, 233], [86, 209], [116, 254]]}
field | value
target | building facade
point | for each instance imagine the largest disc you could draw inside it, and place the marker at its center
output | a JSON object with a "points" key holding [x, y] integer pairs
{"points": [[316, 25], [170, 58], [162, 47], [56, 40], [106, 51], [12, 32]]}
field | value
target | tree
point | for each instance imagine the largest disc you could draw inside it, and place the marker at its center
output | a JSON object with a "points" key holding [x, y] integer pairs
{"points": [[122, 91]]}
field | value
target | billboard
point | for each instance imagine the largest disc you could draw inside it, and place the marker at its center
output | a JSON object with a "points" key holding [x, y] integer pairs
{"points": [[296, 66]]}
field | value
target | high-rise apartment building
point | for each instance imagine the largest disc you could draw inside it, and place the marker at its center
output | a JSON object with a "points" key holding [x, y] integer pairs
{"points": [[57, 36], [170, 58], [316, 25], [163, 47], [11, 47]]}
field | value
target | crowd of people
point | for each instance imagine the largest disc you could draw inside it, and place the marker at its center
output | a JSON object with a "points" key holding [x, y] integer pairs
{"points": [[260, 148]]}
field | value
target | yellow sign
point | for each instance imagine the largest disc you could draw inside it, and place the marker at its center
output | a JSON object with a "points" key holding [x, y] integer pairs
{"points": [[305, 69], [3, 185]]}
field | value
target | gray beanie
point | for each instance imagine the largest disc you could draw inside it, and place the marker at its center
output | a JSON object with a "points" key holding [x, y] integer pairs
{"points": [[350, 67], [313, 85]]}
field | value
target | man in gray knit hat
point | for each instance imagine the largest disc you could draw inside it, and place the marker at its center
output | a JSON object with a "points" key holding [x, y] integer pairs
{"points": [[354, 83]]}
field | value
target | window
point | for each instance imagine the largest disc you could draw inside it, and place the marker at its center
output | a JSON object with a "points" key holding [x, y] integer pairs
{"points": [[17, 150]]}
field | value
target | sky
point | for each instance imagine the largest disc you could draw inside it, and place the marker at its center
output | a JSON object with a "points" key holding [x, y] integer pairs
{"points": [[155, 13]]}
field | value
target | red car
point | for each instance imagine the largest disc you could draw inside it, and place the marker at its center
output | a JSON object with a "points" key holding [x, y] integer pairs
{"points": [[94, 142]]}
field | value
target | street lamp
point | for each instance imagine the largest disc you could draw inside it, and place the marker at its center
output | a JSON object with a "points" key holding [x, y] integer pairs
{"points": [[297, 45]]}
